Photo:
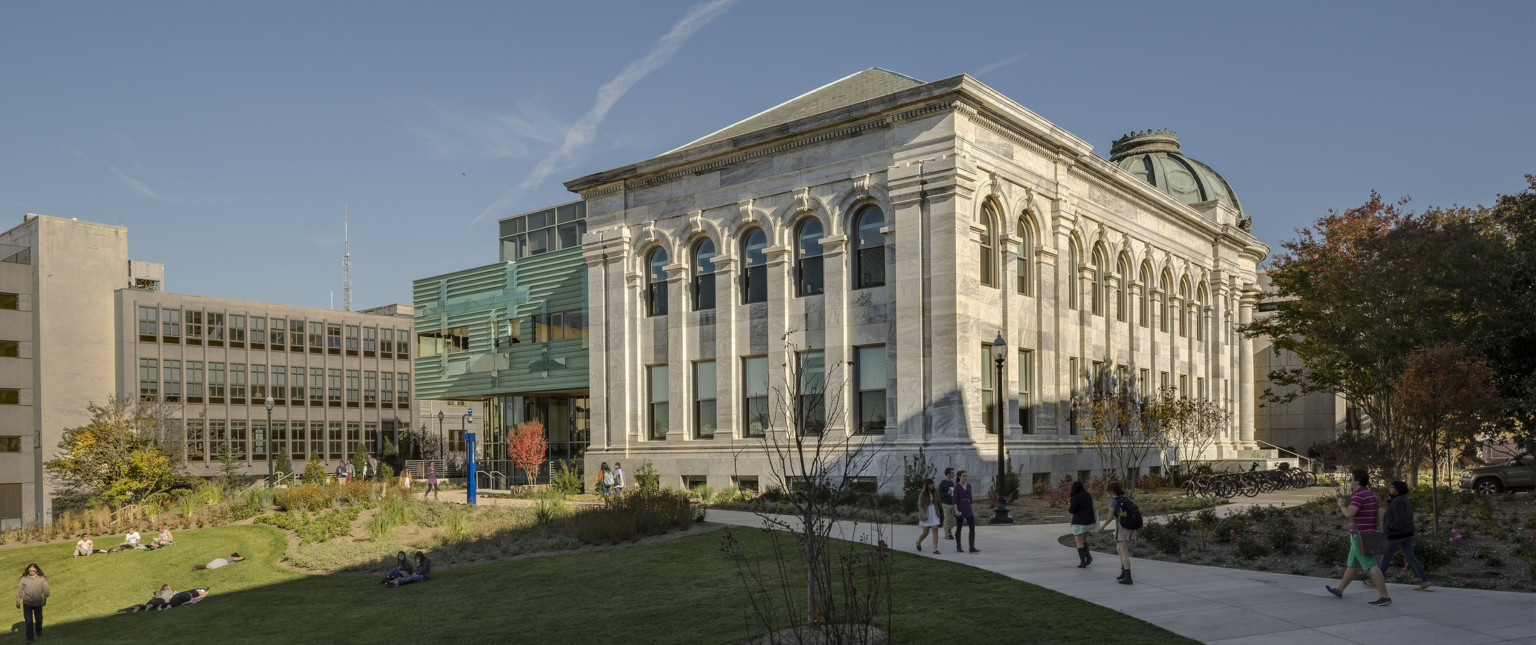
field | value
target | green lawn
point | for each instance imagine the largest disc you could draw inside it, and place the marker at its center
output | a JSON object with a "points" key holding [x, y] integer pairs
{"points": [[681, 591]]}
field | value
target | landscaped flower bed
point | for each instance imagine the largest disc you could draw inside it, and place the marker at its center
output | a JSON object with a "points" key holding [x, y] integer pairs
{"points": [[1485, 542]]}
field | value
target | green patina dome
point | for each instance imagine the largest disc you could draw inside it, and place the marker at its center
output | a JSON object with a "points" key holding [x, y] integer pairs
{"points": [[1154, 156]]}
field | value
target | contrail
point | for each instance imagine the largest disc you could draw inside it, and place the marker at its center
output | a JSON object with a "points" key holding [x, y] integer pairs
{"points": [[585, 129]]}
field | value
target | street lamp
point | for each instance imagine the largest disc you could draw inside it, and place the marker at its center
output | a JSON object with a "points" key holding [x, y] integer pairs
{"points": [[441, 447], [271, 481], [999, 358]]}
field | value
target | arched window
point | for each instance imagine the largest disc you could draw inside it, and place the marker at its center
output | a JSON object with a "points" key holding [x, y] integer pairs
{"points": [[656, 289], [1099, 281], [1166, 286], [704, 275], [870, 258], [1200, 314], [989, 245], [1122, 299], [1026, 255], [1072, 274], [1145, 278], [754, 267], [808, 257], [1184, 307]]}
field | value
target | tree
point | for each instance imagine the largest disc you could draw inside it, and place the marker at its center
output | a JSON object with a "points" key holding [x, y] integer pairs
{"points": [[1182, 425], [281, 465], [1443, 396], [527, 448], [814, 458], [1362, 289], [114, 459], [231, 470], [314, 472], [1507, 338], [1117, 432]]}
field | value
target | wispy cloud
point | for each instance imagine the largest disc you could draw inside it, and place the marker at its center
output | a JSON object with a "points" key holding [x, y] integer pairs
{"points": [[461, 134], [584, 130], [75, 151], [1000, 64], [144, 189]]}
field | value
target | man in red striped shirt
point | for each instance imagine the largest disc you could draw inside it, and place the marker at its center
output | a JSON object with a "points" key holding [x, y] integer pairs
{"points": [[1364, 512]]}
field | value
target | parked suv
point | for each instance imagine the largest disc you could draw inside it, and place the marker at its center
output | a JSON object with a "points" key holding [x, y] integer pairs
{"points": [[1516, 474]]}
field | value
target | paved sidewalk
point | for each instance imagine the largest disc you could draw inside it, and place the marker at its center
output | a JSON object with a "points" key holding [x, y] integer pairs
{"points": [[1218, 605]]}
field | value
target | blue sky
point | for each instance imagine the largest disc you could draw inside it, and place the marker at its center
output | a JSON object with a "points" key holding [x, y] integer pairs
{"points": [[227, 137]]}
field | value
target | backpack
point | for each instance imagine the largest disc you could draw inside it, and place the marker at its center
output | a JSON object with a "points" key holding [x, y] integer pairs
{"points": [[1130, 516]]}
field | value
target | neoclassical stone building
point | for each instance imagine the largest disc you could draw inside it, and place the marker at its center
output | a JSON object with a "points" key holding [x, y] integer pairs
{"points": [[891, 229]]}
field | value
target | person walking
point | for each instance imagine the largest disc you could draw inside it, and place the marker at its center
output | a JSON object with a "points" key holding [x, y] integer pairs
{"points": [[604, 479], [31, 595], [618, 478], [928, 511], [1083, 521], [1398, 526], [431, 482], [1364, 512], [963, 512], [1119, 506], [947, 499], [351, 472]]}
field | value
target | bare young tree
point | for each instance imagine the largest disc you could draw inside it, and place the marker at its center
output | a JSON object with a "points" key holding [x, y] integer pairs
{"points": [[1116, 431], [165, 425], [1183, 427], [815, 458]]}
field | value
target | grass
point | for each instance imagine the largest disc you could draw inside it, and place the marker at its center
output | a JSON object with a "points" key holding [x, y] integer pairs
{"points": [[683, 591]]}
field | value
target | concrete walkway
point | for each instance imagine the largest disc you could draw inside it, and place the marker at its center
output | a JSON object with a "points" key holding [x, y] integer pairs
{"points": [[1218, 605]]}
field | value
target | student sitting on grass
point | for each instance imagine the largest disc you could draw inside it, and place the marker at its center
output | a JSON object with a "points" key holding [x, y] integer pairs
{"points": [[162, 598], [86, 547], [423, 571], [164, 540], [402, 569], [130, 541], [220, 562]]}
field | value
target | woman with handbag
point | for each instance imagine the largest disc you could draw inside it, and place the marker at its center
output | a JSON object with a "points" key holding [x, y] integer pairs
{"points": [[1366, 541]]}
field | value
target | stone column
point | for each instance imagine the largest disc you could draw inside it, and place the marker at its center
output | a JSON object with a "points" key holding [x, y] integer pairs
{"points": [[727, 355], [780, 359], [679, 363], [834, 302], [597, 347], [1013, 329], [1245, 392], [1048, 389], [905, 274]]}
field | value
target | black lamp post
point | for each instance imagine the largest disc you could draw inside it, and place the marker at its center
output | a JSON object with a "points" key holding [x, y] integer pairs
{"points": [[999, 358], [271, 481], [442, 448]]}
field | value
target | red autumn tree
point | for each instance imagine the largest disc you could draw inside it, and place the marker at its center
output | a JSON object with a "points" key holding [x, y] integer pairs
{"points": [[527, 448], [1442, 398]]}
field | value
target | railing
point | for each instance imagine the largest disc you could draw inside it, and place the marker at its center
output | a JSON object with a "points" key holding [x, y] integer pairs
{"points": [[1301, 461], [128, 513], [418, 468], [487, 479]]}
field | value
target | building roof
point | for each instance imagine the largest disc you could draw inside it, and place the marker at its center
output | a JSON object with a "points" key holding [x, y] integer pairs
{"points": [[1154, 156], [855, 88]]}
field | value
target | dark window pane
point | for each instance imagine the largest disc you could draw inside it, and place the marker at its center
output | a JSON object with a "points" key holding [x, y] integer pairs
{"points": [[871, 266], [810, 276], [540, 220], [704, 291], [872, 411], [570, 236]]}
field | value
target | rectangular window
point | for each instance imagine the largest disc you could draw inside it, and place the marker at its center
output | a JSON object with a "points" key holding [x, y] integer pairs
{"points": [[387, 341], [215, 382], [10, 396], [333, 338], [370, 340], [352, 440], [1122, 379], [1026, 400], [149, 378], [149, 324], [1144, 384], [10, 444], [237, 383], [279, 438], [336, 440], [259, 439], [194, 327], [354, 385], [1184, 385], [197, 442], [352, 342], [236, 331], [300, 445], [298, 385], [316, 386], [170, 325], [218, 437], [10, 349], [371, 437], [1162, 380], [1100, 378], [387, 388], [296, 335], [404, 398], [333, 387], [194, 381], [402, 348], [317, 440], [812, 406], [258, 333], [279, 333], [659, 397], [172, 389], [279, 383], [869, 363], [215, 330], [1076, 393], [988, 390], [258, 382], [10, 301], [1200, 387], [754, 395], [704, 404], [316, 337], [237, 438]]}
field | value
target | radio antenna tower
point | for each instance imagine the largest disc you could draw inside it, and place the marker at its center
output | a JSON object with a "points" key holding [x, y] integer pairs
{"points": [[346, 261]]}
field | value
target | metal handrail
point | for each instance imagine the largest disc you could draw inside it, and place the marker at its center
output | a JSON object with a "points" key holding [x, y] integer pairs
{"points": [[491, 476], [1301, 459]]}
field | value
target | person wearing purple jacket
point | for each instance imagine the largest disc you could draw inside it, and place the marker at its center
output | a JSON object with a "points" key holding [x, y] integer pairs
{"points": [[964, 513]]}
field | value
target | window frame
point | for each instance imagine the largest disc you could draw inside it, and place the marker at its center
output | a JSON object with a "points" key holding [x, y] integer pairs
{"points": [[704, 281], [754, 266], [700, 402], [860, 354], [656, 282], [658, 415], [868, 228], [810, 268]]}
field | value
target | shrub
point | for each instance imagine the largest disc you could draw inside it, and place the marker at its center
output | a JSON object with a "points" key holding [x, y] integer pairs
{"points": [[386, 472], [729, 493], [314, 472], [311, 497], [646, 477], [1207, 517], [281, 465], [914, 471], [1246, 546], [888, 501], [210, 493], [1281, 534], [1229, 527], [458, 526], [1163, 537], [549, 508], [1151, 482], [1062, 493], [704, 492], [1434, 552], [565, 479], [1331, 550]]}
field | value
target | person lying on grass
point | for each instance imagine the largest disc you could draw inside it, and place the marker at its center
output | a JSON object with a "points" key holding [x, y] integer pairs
{"points": [[86, 547], [220, 562], [403, 568], [423, 572], [162, 598]]}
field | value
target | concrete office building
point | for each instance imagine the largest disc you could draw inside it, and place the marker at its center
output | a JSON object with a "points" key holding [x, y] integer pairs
{"points": [[81, 323]]}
